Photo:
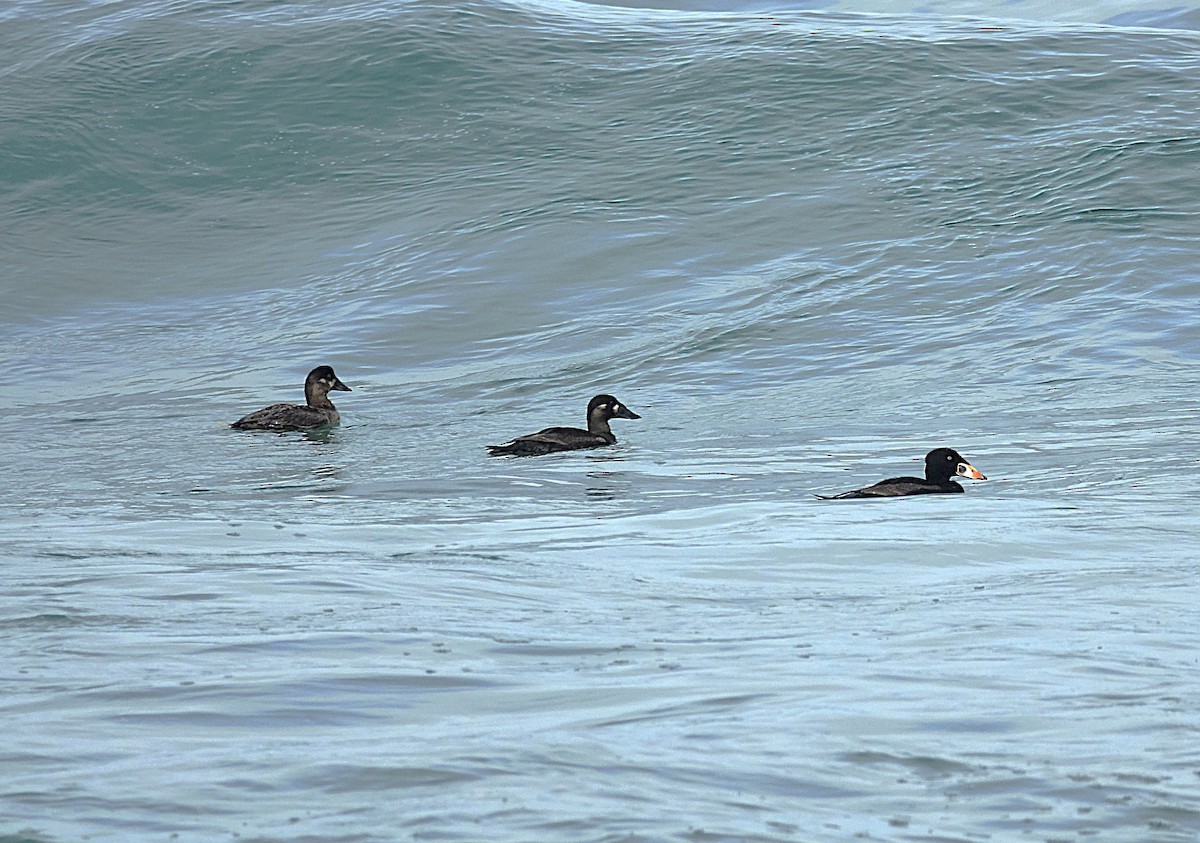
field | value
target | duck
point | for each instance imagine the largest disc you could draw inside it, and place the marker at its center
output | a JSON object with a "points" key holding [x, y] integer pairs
{"points": [[941, 464], [318, 410], [600, 411]]}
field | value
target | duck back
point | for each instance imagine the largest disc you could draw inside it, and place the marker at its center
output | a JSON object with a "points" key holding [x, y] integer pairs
{"points": [[288, 417], [550, 440]]}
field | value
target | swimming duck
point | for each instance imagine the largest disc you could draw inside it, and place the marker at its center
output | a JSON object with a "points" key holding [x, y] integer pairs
{"points": [[318, 412], [940, 465], [600, 410]]}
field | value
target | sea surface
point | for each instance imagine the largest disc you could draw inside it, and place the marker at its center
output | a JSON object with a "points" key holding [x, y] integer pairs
{"points": [[806, 242]]}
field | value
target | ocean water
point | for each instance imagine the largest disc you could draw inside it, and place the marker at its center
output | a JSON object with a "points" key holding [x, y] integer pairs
{"points": [[806, 242]]}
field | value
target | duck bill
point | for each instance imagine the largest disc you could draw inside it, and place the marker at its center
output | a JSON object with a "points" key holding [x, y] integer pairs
{"points": [[339, 386], [627, 413], [965, 469]]}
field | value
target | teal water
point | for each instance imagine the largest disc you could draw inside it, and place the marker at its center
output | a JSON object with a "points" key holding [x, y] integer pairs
{"points": [[806, 245]]}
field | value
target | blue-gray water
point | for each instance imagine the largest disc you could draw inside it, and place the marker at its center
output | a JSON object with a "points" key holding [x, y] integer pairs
{"points": [[807, 245]]}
